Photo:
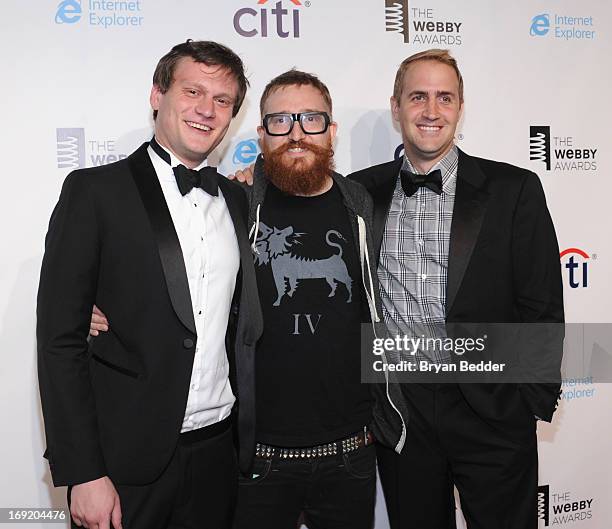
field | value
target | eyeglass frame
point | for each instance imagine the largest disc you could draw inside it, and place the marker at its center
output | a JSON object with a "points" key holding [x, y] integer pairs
{"points": [[296, 117]]}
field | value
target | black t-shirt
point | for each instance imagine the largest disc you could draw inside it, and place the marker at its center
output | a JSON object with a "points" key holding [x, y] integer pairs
{"points": [[307, 362]]}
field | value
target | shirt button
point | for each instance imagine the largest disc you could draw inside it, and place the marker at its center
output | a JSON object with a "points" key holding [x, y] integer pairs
{"points": [[421, 242], [423, 277]]}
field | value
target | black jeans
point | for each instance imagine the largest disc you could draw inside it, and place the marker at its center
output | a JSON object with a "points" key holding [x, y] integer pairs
{"points": [[333, 492]]}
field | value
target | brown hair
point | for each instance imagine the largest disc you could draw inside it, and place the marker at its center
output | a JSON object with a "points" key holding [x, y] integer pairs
{"points": [[295, 77], [207, 52], [441, 56]]}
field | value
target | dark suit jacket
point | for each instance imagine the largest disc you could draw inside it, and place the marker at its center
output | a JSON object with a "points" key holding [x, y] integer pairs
{"points": [[503, 263], [115, 406]]}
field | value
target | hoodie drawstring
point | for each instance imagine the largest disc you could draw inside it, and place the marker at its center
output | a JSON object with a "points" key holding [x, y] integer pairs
{"points": [[365, 264], [255, 230]]}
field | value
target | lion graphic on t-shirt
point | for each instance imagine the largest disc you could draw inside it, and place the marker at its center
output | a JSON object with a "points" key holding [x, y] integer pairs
{"points": [[274, 246]]}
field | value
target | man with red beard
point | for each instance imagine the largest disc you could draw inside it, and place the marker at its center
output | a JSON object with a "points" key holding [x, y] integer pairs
{"points": [[311, 241], [314, 452]]}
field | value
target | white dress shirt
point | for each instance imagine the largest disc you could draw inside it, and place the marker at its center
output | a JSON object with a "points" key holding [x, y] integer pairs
{"points": [[210, 250]]}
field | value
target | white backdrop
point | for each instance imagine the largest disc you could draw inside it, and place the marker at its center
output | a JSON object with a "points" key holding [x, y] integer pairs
{"points": [[87, 66]]}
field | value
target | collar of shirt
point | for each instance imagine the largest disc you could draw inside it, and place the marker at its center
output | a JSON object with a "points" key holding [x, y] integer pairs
{"points": [[163, 170], [448, 167]]}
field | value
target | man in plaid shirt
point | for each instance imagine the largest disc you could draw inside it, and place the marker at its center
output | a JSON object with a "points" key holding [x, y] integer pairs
{"points": [[460, 239]]}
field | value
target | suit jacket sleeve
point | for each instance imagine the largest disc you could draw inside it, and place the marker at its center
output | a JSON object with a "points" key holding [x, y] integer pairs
{"points": [[537, 272], [66, 294], [538, 297]]}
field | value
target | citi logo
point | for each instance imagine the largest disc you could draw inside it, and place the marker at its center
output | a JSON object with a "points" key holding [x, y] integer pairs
{"points": [[540, 25], [70, 148], [539, 144], [576, 262], [396, 18], [544, 504], [250, 22]]}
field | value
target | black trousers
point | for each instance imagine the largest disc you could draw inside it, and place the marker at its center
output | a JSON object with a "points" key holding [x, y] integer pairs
{"points": [[448, 444], [197, 490], [333, 492]]}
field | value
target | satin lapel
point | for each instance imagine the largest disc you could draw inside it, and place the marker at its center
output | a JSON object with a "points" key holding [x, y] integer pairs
{"points": [[168, 244], [382, 194], [237, 205], [250, 320], [468, 213]]}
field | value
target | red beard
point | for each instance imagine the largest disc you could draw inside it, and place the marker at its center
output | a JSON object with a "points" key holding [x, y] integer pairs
{"points": [[299, 177]]}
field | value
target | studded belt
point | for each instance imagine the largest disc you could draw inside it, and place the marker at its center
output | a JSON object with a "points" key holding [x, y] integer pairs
{"points": [[344, 446]]}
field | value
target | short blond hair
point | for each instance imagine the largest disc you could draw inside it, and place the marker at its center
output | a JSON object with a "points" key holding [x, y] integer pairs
{"points": [[441, 56]]}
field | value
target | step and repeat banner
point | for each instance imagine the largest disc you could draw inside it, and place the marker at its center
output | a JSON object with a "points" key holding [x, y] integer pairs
{"points": [[76, 82]]}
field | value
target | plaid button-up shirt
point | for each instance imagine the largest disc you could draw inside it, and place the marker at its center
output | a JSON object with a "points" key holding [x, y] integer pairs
{"points": [[413, 264]]}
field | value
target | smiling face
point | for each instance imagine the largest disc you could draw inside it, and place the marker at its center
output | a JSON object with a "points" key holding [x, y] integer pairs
{"points": [[428, 112], [194, 114], [296, 99], [298, 163]]}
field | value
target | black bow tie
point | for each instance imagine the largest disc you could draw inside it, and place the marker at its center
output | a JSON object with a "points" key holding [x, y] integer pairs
{"points": [[205, 178], [187, 179], [411, 182]]}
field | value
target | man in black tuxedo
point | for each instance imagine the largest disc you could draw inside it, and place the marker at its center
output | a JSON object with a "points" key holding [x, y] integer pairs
{"points": [[138, 421], [460, 239]]}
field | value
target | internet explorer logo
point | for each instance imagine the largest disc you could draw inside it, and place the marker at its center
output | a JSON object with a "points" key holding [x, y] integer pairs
{"points": [[540, 25], [68, 12], [246, 152]]}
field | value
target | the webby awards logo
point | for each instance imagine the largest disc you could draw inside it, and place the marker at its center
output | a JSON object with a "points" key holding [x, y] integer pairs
{"points": [[560, 508], [560, 153], [70, 148], [421, 25], [75, 152]]}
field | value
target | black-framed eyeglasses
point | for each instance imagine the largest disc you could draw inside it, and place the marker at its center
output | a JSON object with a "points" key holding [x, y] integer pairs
{"points": [[281, 123]]}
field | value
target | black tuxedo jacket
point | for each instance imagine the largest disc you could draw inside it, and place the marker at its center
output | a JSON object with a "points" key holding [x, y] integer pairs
{"points": [[503, 265], [115, 406]]}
